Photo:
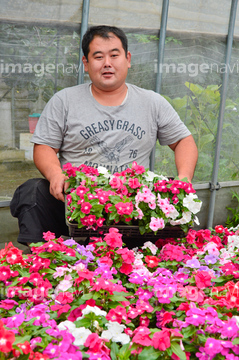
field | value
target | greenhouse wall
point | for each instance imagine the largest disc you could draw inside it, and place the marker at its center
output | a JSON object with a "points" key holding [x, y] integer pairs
{"points": [[39, 55]]}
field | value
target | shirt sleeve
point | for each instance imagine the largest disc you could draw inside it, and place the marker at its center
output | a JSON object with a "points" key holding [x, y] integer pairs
{"points": [[52, 122], [170, 127]]}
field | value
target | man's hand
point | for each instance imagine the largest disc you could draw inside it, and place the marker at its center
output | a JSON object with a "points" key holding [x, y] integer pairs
{"points": [[48, 164], [186, 155], [58, 186]]}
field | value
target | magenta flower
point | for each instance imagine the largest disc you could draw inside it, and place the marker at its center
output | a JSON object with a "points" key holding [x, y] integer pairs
{"points": [[195, 317], [52, 351], [86, 207], [202, 354], [230, 329], [14, 321], [213, 347]]}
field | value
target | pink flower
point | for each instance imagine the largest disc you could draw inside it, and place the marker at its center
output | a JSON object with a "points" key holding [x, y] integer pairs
{"points": [[113, 238], [134, 183], [86, 207], [161, 340], [116, 183], [142, 336], [156, 223], [48, 236], [203, 279]]}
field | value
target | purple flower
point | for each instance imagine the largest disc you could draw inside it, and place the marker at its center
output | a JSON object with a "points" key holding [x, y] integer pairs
{"points": [[193, 263], [211, 259], [85, 252], [70, 242]]}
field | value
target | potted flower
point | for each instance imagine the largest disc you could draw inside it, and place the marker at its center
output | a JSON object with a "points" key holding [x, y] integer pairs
{"points": [[135, 198]]}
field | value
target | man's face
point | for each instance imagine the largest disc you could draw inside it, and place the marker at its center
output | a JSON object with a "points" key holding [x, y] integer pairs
{"points": [[107, 64]]}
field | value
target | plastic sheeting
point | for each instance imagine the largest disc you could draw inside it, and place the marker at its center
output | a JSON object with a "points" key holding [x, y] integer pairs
{"points": [[184, 15]]}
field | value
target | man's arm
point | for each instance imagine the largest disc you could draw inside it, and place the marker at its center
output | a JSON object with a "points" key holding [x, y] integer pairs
{"points": [[186, 155], [47, 162]]}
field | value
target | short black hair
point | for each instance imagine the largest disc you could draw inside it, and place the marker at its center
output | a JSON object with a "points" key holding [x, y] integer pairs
{"points": [[103, 31]]}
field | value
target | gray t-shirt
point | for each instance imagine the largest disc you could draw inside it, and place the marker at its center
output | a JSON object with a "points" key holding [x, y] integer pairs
{"points": [[111, 136]]}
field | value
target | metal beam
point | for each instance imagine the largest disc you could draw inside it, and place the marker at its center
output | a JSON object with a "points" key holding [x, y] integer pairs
{"points": [[84, 26], [221, 112], [162, 37]]}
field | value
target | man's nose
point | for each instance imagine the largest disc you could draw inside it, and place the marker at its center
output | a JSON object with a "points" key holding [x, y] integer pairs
{"points": [[107, 61]]}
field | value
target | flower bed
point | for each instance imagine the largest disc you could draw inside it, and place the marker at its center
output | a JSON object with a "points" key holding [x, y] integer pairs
{"points": [[176, 300], [134, 196]]}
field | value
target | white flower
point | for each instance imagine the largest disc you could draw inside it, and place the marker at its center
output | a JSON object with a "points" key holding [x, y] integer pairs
{"points": [[150, 175], [80, 335], [102, 170], [186, 218], [88, 309], [196, 220], [193, 206], [153, 248], [115, 333], [66, 325], [233, 242]]}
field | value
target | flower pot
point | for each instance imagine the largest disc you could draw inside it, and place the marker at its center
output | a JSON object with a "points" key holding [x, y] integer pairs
{"points": [[130, 234]]}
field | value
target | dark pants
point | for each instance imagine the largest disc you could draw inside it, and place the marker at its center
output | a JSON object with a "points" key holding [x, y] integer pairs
{"points": [[37, 211]]}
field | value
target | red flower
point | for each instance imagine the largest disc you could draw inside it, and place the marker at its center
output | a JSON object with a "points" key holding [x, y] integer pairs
{"points": [[126, 268], [25, 347], [219, 229], [5, 273], [14, 256], [7, 338], [152, 261], [203, 279]]}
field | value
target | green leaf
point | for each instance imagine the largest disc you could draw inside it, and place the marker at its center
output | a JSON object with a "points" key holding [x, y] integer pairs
{"points": [[188, 331], [114, 351], [176, 349], [21, 339], [149, 353], [118, 296]]}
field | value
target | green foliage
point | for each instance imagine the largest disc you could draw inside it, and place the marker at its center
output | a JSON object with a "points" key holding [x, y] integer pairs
{"points": [[199, 110], [233, 218]]}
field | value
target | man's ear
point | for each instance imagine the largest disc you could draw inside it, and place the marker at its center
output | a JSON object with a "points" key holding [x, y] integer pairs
{"points": [[129, 59], [85, 63]]}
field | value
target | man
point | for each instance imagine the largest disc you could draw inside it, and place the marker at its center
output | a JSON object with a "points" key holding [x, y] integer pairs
{"points": [[106, 123]]}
